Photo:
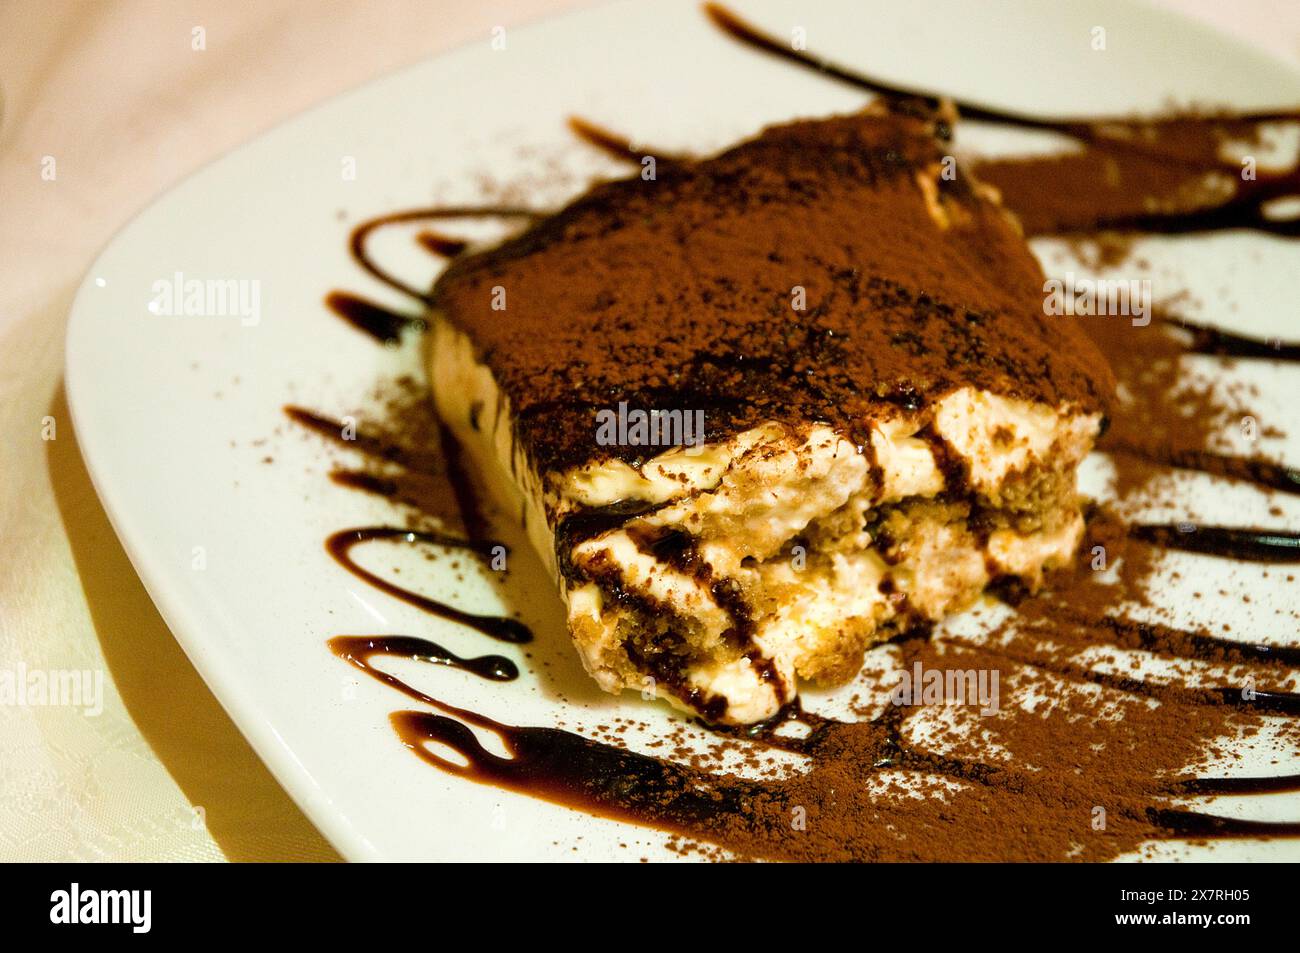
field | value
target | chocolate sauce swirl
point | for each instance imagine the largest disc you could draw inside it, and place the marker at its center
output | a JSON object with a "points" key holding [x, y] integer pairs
{"points": [[444, 246], [383, 324], [1253, 545], [747, 34], [362, 232], [341, 544], [1204, 339], [360, 649]]}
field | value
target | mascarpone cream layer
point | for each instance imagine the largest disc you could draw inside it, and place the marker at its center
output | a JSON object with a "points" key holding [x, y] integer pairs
{"points": [[780, 512]]}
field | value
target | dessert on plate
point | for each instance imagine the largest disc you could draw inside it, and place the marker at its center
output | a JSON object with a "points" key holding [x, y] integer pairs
{"points": [[761, 411]]}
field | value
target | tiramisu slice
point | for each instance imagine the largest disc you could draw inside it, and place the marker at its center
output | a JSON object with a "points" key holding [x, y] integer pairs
{"points": [[761, 411]]}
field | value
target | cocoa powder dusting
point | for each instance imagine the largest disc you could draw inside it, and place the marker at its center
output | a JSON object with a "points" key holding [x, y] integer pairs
{"points": [[826, 271]]}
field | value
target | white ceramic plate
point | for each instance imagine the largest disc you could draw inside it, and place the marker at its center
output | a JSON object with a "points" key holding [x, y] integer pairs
{"points": [[170, 410]]}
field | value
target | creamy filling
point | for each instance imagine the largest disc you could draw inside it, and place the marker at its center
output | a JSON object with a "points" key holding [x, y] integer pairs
{"points": [[781, 553]]}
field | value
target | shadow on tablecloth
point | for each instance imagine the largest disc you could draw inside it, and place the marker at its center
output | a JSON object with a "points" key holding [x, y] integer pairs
{"points": [[246, 811]]}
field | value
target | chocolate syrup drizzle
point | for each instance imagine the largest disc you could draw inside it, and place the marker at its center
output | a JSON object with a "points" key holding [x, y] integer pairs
{"points": [[751, 36], [1246, 209], [1265, 473], [350, 437], [361, 234], [341, 544], [1176, 643], [1285, 703], [616, 145], [441, 245], [360, 649], [383, 324], [1256, 545], [566, 768], [1208, 340]]}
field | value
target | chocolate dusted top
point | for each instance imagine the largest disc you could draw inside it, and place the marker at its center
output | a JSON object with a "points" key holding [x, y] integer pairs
{"points": [[679, 293]]}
